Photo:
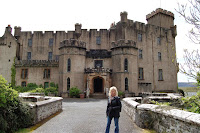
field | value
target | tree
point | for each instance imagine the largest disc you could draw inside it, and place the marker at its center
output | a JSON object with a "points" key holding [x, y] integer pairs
{"points": [[191, 13]]}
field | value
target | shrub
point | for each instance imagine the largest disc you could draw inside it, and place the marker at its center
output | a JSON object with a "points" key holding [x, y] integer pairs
{"points": [[37, 90], [52, 90], [13, 113], [74, 91], [121, 93]]}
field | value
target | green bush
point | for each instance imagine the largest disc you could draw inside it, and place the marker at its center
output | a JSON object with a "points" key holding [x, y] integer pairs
{"points": [[74, 91], [13, 113], [51, 90], [192, 103], [37, 90], [121, 93]]}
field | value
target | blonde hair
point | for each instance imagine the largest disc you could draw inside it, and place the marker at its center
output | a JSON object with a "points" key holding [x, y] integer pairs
{"points": [[113, 88]]}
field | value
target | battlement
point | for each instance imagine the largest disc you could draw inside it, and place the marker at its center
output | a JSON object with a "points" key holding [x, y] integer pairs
{"points": [[159, 10], [124, 44], [72, 43]]}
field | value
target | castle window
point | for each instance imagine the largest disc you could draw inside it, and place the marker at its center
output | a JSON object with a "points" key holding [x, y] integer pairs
{"points": [[159, 56], [141, 73], [160, 74], [50, 56], [47, 74], [126, 84], [57, 57], [158, 40], [29, 42], [23, 84], [98, 40], [68, 84], [24, 73], [68, 65], [139, 37], [98, 63], [140, 54], [51, 42], [126, 65], [28, 55], [46, 85]]}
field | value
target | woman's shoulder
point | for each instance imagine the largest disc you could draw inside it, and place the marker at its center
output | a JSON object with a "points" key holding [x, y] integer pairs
{"points": [[117, 98]]}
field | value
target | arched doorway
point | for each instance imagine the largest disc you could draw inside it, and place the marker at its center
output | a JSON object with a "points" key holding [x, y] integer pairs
{"points": [[98, 85]]}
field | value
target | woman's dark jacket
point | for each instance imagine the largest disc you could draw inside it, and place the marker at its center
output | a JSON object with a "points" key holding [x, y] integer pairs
{"points": [[114, 107]]}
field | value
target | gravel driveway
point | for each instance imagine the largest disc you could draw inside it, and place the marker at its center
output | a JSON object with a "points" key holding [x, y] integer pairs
{"points": [[85, 116]]}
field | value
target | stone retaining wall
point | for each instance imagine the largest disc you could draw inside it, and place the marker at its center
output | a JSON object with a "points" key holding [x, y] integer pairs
{"points": [[46, 108], [161, 118]]}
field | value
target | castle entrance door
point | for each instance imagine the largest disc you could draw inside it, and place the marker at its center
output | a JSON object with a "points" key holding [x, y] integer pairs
{"points": [[98, 85]]}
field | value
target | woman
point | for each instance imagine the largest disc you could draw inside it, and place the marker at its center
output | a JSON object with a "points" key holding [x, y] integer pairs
{"points": [[113, 109]]}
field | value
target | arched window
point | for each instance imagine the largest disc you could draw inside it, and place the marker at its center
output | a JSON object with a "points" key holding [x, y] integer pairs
{"points": [[126, 84], [68, 84], [126, 65], [68, 65]]}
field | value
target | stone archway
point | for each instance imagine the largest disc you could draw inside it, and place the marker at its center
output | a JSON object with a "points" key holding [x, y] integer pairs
{"points": [[98, 85]]}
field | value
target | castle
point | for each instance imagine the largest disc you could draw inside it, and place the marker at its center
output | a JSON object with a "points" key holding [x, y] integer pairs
{"points": [[133, 56]]}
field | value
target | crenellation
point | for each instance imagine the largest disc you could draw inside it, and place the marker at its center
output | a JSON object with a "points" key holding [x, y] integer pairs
{"points": [[159, 10]]}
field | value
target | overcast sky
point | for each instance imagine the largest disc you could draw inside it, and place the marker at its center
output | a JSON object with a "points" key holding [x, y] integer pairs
{"points": [[61, 15]]}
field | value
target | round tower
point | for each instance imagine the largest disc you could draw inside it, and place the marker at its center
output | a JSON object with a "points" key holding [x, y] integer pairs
{"points": [[71, 65], [124, 62]]}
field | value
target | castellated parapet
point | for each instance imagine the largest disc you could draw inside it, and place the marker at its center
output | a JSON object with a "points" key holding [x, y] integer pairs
{"points": [[159, 10]]}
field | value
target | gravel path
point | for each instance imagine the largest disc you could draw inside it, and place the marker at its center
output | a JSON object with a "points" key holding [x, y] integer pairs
{"points": [[85, 116]]}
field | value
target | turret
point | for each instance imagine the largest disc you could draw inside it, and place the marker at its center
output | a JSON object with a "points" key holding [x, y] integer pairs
{"points": [[161, 18], [17, 32], [124, 17], [78, 30]]}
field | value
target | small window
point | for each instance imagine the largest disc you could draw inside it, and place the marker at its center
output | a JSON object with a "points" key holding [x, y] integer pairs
{"points": [[57, 57], [158, 40], [46, 85], [23, 84], [30, 42], [50, 56], [141, 73], [68, 84], [51, 42], [47, 73], [126, 65], [98, 40], [140, 54], [68, 65], [160, 74], [159, 56], [98, 63], [139, 37], [126, 84], [24, 73], [28, 55]]}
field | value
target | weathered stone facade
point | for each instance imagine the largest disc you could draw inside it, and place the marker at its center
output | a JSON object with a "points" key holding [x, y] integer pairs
{"points": [[133, 56]]}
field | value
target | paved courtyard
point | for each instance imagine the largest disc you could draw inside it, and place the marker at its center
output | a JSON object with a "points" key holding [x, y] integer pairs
{"points": [[85, 116]]}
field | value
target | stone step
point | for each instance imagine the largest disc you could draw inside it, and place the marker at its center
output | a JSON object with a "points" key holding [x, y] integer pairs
{"points": [[98, 95]]}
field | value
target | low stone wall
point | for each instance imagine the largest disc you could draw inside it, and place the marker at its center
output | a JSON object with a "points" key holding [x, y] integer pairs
{"points": [[161, 118], [44, 109]]}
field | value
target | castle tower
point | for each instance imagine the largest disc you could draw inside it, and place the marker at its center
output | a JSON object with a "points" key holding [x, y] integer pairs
{"points": [[124, 60], [71, 65], [161, 18], [77, 30]]}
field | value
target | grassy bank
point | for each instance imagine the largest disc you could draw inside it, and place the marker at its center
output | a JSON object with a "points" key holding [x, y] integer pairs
{"points": [[190, 89]]}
